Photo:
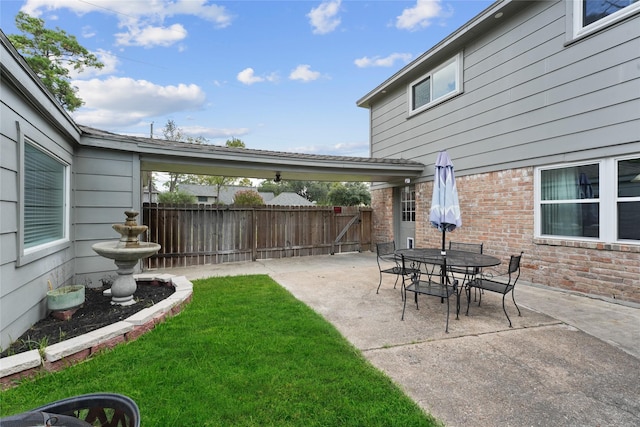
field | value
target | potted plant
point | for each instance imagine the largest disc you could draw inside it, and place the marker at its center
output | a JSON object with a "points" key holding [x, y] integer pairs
{"points": [[65, 297]]}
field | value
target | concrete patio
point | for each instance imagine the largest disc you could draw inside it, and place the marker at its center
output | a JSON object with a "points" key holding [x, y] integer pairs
{"points": [[569, 360]]}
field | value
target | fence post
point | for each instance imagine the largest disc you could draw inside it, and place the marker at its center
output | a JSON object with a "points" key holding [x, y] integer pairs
{"points": [[254, 235]]}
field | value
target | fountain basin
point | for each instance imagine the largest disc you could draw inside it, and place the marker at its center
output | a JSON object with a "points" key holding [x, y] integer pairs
{"points": [[126, 253], [118, 252], [126, 257]]}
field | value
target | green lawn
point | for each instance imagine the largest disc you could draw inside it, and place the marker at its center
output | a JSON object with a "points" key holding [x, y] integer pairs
{"points": [[245, 352]]}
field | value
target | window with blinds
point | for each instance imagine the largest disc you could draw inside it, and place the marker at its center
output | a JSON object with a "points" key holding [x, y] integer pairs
{"points": [[44, 197]]}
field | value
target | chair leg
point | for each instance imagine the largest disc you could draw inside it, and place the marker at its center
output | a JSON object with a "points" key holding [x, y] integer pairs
{"points": [[513, 297], [446, 328], [404, 305], [379, 283], [468, 292], [505, 310]]}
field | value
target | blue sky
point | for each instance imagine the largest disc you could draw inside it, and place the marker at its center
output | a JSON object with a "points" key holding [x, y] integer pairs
{"points": [[279, 75]]}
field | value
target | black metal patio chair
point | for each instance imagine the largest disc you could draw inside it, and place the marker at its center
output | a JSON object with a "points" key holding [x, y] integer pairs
{"points": [[96, 409], [500, 283], [436, 285], [466, 273], [389, 263]]}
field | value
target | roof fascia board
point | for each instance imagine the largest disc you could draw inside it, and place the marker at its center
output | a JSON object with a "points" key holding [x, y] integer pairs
{"points": [[195, 152], [179, 157]]}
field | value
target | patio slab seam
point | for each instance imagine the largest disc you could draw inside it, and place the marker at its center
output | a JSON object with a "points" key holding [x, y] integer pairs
{"points": [[74, 350], [477, 334]]}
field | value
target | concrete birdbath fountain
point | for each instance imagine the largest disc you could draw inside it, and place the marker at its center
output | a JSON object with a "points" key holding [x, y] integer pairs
{"points": [[126, 253]]}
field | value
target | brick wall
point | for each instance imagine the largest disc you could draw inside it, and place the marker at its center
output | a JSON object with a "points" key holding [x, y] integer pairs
{"points": [[382, 208], [498, 209]]}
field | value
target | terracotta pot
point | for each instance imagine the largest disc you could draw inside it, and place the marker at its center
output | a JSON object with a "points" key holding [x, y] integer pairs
{"points": [[65, 297]]}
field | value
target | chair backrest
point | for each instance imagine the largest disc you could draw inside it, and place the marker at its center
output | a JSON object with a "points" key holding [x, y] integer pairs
{"points": [[514, 265], [467, 247], [385, 248]]}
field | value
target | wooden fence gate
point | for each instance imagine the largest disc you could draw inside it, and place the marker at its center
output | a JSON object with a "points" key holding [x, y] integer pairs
{"points": [[208, 234]]}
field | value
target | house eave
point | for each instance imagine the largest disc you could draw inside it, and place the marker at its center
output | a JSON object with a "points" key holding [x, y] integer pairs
{"points": [[203, 159], [484, 21], [33, 91]]}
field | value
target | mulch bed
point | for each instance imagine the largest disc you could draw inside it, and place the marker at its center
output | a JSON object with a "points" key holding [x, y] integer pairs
{"points": [[96, 312]]}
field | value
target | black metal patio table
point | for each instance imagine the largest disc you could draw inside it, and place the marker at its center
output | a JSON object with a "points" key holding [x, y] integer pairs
{"points": [[451, 258], [470, 261]]}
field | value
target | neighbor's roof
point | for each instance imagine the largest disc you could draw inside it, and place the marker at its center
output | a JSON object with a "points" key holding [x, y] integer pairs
{"points": [[289, 199]]}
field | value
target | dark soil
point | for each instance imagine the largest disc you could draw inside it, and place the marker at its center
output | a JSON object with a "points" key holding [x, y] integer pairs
{"points": [[96, 312]]}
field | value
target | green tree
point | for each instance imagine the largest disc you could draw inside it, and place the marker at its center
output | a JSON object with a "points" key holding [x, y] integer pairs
{"points": [[247, 198], [222, 181], [51, 54], [176, 197], [268, 186], [349, 194], [314, 191], [172, 132], [355, 193], [235, 142]]}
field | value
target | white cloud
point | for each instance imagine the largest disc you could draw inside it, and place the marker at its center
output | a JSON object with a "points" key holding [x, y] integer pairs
{"points": [[353, 149], [248, 77], [88, 32], [387, 61], [420, 15], [152, 36], [109, 60], [303, 72], [209, 132], [324, 18], [142, 21], [124, 101]]}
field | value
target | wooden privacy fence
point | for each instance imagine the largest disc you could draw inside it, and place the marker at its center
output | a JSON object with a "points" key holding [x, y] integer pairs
{"points": [[209, 234]]}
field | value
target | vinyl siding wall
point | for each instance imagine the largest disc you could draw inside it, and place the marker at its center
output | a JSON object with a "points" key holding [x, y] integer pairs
{"points": [[107, 183], [23, 284], [530, 99]]}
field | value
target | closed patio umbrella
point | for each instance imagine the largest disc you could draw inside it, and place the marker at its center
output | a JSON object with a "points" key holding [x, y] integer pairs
{"points": [[445, 208]]}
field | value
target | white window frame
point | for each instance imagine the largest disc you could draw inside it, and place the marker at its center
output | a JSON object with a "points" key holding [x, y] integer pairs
{"points": [[458, 61], [575, 9], [27, 255], [608, 200]]}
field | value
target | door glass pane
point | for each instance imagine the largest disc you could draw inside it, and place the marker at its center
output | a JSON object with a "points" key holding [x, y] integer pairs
{"points": [[408, 202]]}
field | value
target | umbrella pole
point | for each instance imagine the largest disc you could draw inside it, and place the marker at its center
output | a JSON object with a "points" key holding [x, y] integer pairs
{"points": [[443, 252]]}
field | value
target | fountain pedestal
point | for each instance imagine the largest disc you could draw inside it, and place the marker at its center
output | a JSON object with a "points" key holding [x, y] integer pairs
{"points": [[126, 253]]}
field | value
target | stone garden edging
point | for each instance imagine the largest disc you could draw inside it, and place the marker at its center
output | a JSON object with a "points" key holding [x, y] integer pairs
{"points": [[74, 350]]}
